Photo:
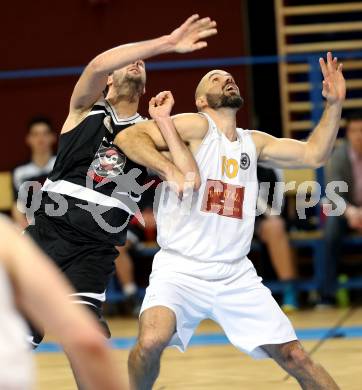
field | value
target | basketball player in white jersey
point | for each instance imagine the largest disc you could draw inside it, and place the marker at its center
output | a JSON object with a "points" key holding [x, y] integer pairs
{"points": [[35, 288], [202, 270]]}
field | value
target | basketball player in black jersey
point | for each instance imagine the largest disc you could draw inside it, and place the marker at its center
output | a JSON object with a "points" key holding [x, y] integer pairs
{"points": [[93, 189]]}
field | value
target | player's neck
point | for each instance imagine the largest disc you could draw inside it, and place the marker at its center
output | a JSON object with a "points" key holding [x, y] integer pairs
{"points": [[225, 120], [123, 107], [41, 159]]}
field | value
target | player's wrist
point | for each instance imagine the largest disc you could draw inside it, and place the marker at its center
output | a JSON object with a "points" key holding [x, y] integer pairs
{"points": [[167, 45], [163, 119], [336, 103]]}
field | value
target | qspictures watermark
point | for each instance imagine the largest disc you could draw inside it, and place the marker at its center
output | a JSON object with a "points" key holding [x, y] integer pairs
{"points": [[127, 192]]}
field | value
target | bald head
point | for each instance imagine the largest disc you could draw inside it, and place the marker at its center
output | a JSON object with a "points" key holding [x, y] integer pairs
{"points": [[201, 87], [217, 89]]}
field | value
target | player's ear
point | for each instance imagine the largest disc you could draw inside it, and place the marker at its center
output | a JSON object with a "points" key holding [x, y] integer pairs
{"points": [[110, 79], [201, 102]]}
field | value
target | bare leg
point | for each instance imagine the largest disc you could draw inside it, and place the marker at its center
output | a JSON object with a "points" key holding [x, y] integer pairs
{"points": [[75, 374], [157, 326], [293, 359], [273, 233]]}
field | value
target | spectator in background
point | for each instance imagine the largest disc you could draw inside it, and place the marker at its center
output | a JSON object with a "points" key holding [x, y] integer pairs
{"points": [[345, 165], [40, 138], [271, 230]]}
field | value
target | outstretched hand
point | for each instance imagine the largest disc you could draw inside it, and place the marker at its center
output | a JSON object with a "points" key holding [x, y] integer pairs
{"points": [[334, 84], [188, 37], [161, 105]]}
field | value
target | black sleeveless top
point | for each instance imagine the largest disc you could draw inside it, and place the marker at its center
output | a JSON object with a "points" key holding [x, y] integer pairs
{"points": [[94, 188]]}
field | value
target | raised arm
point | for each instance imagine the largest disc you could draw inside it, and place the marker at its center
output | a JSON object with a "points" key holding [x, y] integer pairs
{"points": [[315, 151], [42, 293], [160, 108], [144, 142], [186, 38]]}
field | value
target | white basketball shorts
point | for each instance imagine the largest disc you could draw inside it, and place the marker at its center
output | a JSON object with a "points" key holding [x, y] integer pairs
{"points": [[231, 294]]}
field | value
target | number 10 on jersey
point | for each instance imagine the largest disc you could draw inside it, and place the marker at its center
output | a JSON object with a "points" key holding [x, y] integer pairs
{"points": [[229, 166]]}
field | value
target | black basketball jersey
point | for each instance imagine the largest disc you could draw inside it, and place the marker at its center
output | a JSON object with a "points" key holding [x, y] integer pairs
{"points": [[100, 185]]}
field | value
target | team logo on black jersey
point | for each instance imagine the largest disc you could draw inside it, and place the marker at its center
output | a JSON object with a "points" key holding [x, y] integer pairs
{"points": [[244, 161], [108, 163]]}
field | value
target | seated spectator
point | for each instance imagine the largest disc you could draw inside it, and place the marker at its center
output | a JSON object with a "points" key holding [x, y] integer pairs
{"points": [[345, 165], [271, 230], [40, 138]]}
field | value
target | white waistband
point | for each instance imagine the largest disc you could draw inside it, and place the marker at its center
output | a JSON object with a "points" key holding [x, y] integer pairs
{"points": [[76, 191], [98, 296]]}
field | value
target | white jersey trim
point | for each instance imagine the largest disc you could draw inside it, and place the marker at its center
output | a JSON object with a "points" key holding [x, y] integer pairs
{"points": [[99, 297], [112, 112], [95, 112], [65, 187], [84, 303]]}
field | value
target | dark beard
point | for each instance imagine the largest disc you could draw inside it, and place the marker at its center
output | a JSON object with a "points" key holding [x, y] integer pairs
{"points": [[135, 85], [231, 101], [131, 88]]}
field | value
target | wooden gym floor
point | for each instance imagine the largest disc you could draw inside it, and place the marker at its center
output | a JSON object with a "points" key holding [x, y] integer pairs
{"points": [[211, 363]]}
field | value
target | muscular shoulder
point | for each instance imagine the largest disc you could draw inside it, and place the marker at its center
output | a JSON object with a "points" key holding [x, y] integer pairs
{"points": [[77, 115], [260, 139], [191, 126]]}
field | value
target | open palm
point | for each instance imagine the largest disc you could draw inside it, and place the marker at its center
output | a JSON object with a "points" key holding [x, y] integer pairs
{"points": [[188, 37], [334, 84]]}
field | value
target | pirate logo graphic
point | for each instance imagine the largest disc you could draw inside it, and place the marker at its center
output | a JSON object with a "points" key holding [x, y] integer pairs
{"points": [[109, 162]]}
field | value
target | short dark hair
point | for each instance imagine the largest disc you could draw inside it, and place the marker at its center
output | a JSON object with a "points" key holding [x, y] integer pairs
{"points": [[39, 119], [354, 115]]}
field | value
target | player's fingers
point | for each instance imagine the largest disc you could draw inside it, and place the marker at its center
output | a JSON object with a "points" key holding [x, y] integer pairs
{"points": [[198, 45], [169, 94], [340, 68], [160, 98], [330, 66], [152, 102], [169, 97], [323, 67], [206, 23], [189, 21], [200, 24], [207, 33], [203, 22]]}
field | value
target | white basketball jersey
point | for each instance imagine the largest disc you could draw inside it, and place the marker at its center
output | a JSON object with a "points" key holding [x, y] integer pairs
{"points": [[16, 369], [216, 223]]}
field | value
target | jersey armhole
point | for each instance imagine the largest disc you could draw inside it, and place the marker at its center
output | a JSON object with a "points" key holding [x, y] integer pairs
{"points": [[209, 133]]}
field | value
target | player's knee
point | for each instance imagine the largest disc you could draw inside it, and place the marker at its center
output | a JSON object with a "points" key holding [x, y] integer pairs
{"points": [[298, 359], [151, 346], [89, 341]]}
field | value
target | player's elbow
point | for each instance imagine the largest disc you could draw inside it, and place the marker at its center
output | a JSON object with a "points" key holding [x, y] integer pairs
{"points": [[320, 163], [124, 140], [96, 66], [317, 161], [314, 158]]}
